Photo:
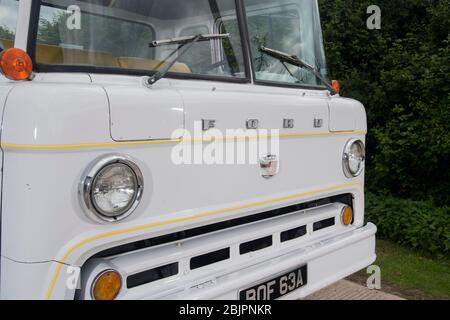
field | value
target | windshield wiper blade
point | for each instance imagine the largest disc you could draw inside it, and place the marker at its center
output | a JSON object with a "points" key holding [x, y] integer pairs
{"points": [[296, 61], [185, 43]]}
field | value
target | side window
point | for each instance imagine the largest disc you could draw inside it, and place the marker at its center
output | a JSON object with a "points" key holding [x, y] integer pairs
{"points": [[8, 22], [200, 55]]}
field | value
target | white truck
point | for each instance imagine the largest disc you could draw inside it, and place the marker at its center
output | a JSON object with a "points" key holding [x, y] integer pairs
{"points": [[128, 155]]}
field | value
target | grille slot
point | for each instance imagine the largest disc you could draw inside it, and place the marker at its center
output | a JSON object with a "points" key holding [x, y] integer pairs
{"points": [[324, 224], [256, 245], [210, 258], [293, 234], [152, 275]]}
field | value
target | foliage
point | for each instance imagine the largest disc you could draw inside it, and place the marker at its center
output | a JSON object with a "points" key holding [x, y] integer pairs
{"points": [[402, 74], [418, 224], [48, 32], [6, 33]]}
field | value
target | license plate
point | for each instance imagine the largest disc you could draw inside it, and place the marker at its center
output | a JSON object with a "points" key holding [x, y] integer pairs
{"points": [[277, 287]]}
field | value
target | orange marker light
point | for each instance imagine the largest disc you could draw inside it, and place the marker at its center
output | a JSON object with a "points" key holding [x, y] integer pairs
{"points": [[336, 86], [16, 64], [107, 286], [347, 216]]}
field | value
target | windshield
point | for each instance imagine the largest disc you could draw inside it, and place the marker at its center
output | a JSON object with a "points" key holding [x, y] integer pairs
{"points": [[291, 26], [118, 33]]}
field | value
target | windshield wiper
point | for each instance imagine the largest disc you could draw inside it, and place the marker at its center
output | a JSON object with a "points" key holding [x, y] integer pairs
{"points": [[184, 44], [296, 61]]}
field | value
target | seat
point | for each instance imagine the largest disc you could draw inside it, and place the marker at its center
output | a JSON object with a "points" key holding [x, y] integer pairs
{"points": [[147, 64], [7, 43], [48, 54], [91, 58]]}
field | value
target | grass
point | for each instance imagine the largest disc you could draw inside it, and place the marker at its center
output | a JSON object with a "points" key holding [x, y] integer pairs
{"points": [[409, 274]]}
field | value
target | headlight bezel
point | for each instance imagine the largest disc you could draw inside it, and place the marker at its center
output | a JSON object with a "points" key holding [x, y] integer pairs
{"points": [[87, 187], [347, 155]]}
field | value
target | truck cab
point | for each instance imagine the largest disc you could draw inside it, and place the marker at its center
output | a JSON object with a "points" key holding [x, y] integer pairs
{"points": [[175, 150]]}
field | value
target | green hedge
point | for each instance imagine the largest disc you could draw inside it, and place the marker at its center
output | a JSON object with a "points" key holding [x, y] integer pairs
{"points": [[418, 224], [402, 75]]}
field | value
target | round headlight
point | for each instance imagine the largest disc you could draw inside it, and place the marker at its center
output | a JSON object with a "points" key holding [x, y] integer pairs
{"points": [[113, 188], [354, 158]]}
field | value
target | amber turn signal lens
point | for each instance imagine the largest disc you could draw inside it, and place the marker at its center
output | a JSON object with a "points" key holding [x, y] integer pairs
{"points": [[336, 86], [16, 64], [107, 285], [347, 216]]}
